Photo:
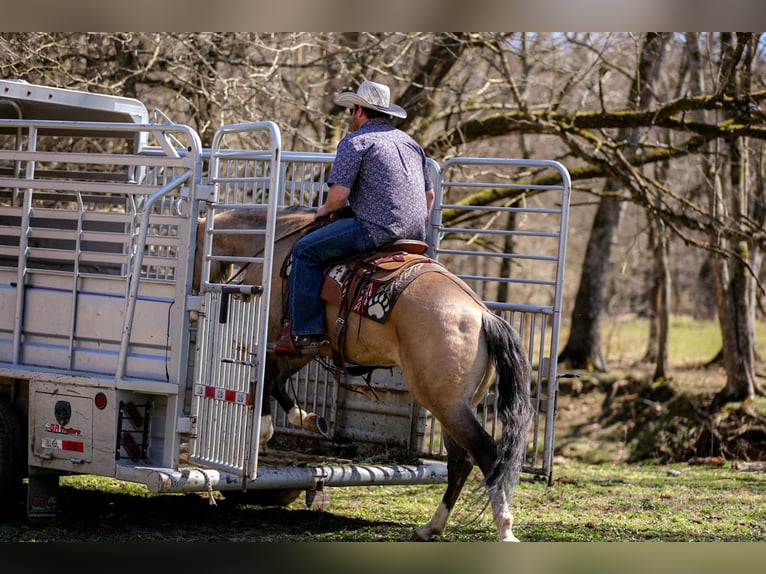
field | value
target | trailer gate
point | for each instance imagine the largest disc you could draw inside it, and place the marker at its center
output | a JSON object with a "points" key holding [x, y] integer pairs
{"points": [[511, 252], [228, 386]]}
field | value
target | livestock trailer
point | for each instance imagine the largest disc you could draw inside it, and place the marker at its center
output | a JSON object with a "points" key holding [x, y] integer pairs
{"points": [[111, 364]]}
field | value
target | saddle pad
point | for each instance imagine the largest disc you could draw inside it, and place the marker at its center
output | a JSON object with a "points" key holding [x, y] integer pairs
{"points": [[382, 281]]}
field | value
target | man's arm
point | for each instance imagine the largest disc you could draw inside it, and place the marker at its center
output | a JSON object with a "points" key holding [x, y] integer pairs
{"points": [[336, 198], [429, 200]]}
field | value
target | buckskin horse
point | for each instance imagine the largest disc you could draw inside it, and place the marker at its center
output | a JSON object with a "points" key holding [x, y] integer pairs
{"points": [[448, 344]]}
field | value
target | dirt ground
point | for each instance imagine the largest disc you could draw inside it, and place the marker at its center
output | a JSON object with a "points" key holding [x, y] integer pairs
{"points": [[622, 416]]}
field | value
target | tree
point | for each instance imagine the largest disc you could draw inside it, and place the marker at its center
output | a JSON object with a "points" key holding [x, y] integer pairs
{"points": [[734, 276]]}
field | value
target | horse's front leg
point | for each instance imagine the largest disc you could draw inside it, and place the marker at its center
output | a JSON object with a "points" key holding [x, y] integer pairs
{"points": [[267, 429]]}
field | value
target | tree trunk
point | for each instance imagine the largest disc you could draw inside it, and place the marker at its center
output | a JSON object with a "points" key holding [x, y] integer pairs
{"points": [[733, 278], [733, 301], [659, 297], [583, 348], [661, 294]]}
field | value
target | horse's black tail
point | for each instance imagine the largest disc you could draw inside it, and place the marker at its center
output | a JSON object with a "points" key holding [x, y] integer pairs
{"points": [[513, 403]]}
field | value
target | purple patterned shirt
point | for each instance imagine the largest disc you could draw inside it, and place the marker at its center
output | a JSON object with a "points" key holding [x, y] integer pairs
{"points": [[388, 176]]}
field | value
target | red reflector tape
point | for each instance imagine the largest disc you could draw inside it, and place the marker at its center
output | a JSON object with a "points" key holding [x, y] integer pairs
{"points": [[134, 415], [72, 445], [134, 451], [68, 445], [220, 394]]}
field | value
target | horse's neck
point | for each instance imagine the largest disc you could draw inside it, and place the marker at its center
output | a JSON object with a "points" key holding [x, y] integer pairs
{"points": [[289, 225], [289, 229]]}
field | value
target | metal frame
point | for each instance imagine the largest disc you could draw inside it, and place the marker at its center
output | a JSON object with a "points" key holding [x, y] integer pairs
{"points": [[540, 189], [537, 201], [162, 184], [229, 384]]}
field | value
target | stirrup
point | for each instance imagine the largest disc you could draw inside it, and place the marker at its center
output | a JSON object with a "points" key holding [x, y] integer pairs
{"points": [[309, 344]]}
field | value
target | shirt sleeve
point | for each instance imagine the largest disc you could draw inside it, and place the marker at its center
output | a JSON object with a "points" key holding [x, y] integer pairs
{"points": [[427, 174], [346, 165]]}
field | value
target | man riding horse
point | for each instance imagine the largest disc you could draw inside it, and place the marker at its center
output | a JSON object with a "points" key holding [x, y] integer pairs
{"points": [[381, 174]]}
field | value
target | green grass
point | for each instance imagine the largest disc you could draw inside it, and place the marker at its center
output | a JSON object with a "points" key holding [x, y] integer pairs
{"points": [[594, 503], [646, 503], [690, 341]]}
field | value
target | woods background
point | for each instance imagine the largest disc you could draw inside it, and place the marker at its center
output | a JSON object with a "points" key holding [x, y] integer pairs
{"points": [[662, 133]]}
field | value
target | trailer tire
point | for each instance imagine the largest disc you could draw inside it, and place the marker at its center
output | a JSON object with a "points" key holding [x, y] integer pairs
{"points": [[11, 457]]}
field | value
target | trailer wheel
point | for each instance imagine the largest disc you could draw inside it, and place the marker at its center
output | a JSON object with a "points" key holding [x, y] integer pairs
{"points": [[271, 497], [11, 456]]}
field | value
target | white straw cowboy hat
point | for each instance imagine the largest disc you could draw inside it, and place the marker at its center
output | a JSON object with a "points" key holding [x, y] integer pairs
{"points": [[371, 95]]}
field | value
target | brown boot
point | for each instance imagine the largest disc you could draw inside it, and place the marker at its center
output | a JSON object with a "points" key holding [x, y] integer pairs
{"points": [[284, 346], [298, 345]]}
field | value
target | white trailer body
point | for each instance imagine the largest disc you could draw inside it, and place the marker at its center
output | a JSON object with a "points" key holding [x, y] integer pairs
{"points": [[103, 369]]}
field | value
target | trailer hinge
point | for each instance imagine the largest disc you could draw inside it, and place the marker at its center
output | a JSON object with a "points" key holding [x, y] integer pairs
{"points": [[206, 192], [194, 303]]}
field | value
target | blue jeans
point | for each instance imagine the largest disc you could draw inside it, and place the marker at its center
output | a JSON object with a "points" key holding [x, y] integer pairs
{"points": [[311, 254]]}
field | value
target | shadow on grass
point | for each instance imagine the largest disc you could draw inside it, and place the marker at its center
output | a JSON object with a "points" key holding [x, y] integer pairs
{"points": [[99, 516]]}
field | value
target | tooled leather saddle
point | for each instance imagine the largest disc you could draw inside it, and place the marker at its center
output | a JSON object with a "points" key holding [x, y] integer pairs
{"points": [[369, 285]]}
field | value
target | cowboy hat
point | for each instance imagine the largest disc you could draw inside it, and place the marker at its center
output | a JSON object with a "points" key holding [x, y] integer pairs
{"points": [[371, 95]]}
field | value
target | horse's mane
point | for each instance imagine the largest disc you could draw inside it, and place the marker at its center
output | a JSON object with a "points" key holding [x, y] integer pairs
{"points": [[295, 209]]}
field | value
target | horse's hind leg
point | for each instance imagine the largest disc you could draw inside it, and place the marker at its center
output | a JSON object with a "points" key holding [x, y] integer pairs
{"points": [[471, 438], [277, 373], [459, 465]]}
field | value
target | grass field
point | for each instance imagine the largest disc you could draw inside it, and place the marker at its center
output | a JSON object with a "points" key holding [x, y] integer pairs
{"points": [[690, 342], [586, 503]]}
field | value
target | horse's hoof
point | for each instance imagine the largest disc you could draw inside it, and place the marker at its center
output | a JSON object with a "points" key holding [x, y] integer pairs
{"points": [[422, 534], [318, 424], [323, 427]]}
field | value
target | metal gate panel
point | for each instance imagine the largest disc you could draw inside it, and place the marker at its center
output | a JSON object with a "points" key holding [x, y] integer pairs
{"points": [[225, 389], [517, 268], [507, 239], [231, 347], [303, 181]]}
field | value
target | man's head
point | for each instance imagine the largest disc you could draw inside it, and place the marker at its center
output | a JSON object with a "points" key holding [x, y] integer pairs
{"points": [[372, 96]]}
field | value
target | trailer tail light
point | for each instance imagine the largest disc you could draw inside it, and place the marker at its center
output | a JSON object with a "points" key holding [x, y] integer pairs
{"points": [[100, 401]]}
